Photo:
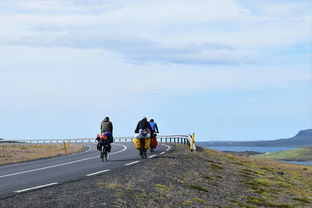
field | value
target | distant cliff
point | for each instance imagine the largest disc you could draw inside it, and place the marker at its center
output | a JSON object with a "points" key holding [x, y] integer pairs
{"points": [[302, 138]]}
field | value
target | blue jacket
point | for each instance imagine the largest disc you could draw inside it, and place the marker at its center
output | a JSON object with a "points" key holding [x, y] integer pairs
{"points": [[154, 126]]}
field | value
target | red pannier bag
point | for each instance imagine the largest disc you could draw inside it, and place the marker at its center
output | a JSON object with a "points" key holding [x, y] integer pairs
{"points": [[154, 142]]}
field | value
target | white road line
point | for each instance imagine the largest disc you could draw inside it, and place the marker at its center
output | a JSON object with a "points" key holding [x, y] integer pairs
{"points": [[61, 164], [36, 187], [133, 162], [151, 156], [168, 147], [103, 171], [162, 153]]}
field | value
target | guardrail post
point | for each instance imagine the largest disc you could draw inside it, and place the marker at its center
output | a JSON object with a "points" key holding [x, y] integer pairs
{"points": [[65, 147], [192, 142]]}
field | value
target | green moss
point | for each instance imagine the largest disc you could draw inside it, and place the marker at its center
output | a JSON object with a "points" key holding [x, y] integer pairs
{"points": [[248, 171], [199, 188], [263, 202], [209, 161], [187, 203], [246, 175], [209, 178], [231, 157], [259, 186], [241, 204], [215, 167], [162, 187], [237, 163], [267, 169], [101, 184], [304, 200], [199, 200]]}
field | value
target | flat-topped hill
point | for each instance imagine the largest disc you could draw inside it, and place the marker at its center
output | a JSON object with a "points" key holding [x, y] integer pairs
{"points": [[302, 138]]}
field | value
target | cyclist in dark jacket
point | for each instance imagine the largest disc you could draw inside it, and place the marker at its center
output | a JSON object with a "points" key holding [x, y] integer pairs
{"points": [[106, 125], [143, 124], [107, 128]]}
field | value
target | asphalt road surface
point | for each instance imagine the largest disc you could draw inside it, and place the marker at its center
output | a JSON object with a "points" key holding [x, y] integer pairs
{"points": [[21, 177]]}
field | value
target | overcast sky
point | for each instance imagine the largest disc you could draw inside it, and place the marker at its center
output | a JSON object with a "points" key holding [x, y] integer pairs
{"points": [[224, 69]]}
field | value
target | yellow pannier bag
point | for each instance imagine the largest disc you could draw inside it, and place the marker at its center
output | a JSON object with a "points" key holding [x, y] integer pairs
{"points": [[137, 143], [147, 143]]}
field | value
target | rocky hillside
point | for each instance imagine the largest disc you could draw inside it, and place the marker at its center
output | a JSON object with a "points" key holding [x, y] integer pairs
{"points": [[205, 178]]}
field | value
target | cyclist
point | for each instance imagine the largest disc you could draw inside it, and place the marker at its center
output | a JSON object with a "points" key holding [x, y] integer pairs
{"points": [[107, 130], [142, 131], [144, 125], [154, 128]]}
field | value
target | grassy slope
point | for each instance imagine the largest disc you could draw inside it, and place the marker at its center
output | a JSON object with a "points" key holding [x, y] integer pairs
{"points": [[210, 178], [206, 178], [268, 183], [302, 154], [13, 153]]}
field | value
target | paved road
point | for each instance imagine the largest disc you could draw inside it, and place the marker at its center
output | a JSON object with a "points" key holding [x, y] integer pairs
{"points": [[27, 176]]}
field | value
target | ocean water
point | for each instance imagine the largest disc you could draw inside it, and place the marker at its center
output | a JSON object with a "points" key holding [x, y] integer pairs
{"points": [[255, 149], [309, 163]]}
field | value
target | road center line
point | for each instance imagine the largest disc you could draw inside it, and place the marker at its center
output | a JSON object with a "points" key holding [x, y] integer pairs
{"points": [[168, 147], [103, 171], [36, 187], [61, 164], [132, 162]]}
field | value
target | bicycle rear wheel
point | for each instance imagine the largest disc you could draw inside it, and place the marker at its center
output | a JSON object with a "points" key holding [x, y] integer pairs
{"points": [[144, 153], [103, 153]]}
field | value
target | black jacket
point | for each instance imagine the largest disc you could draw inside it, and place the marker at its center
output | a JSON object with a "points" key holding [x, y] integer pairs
{"points": [[106, 125], [143, 124]]}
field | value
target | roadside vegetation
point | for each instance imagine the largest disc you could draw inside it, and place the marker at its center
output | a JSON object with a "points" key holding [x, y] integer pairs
{"points": [[206, 178], [301, 154], [13, 153]]}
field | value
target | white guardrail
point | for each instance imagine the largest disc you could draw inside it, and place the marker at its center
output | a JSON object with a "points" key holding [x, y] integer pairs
{"points": [[178, 139]]}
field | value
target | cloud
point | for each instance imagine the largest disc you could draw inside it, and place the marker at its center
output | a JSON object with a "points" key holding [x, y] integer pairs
{"points": [[224, 32], [59, 6], [135, 49]]}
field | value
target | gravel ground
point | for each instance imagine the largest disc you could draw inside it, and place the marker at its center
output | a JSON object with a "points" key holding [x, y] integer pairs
{"points": [[176, 179]]}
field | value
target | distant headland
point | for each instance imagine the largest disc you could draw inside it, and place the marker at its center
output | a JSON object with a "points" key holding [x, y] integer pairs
{"points": [[302, 138]]}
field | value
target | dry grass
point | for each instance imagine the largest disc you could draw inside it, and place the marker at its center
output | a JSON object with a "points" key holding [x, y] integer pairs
{"points": [[275, 184], [13, 153]]}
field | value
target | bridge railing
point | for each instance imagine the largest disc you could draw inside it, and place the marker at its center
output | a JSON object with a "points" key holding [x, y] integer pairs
{"points": [[176, 139]]}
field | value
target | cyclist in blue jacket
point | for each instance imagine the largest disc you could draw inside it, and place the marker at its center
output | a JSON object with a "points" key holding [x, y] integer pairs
{"points": [[154, 127]]}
